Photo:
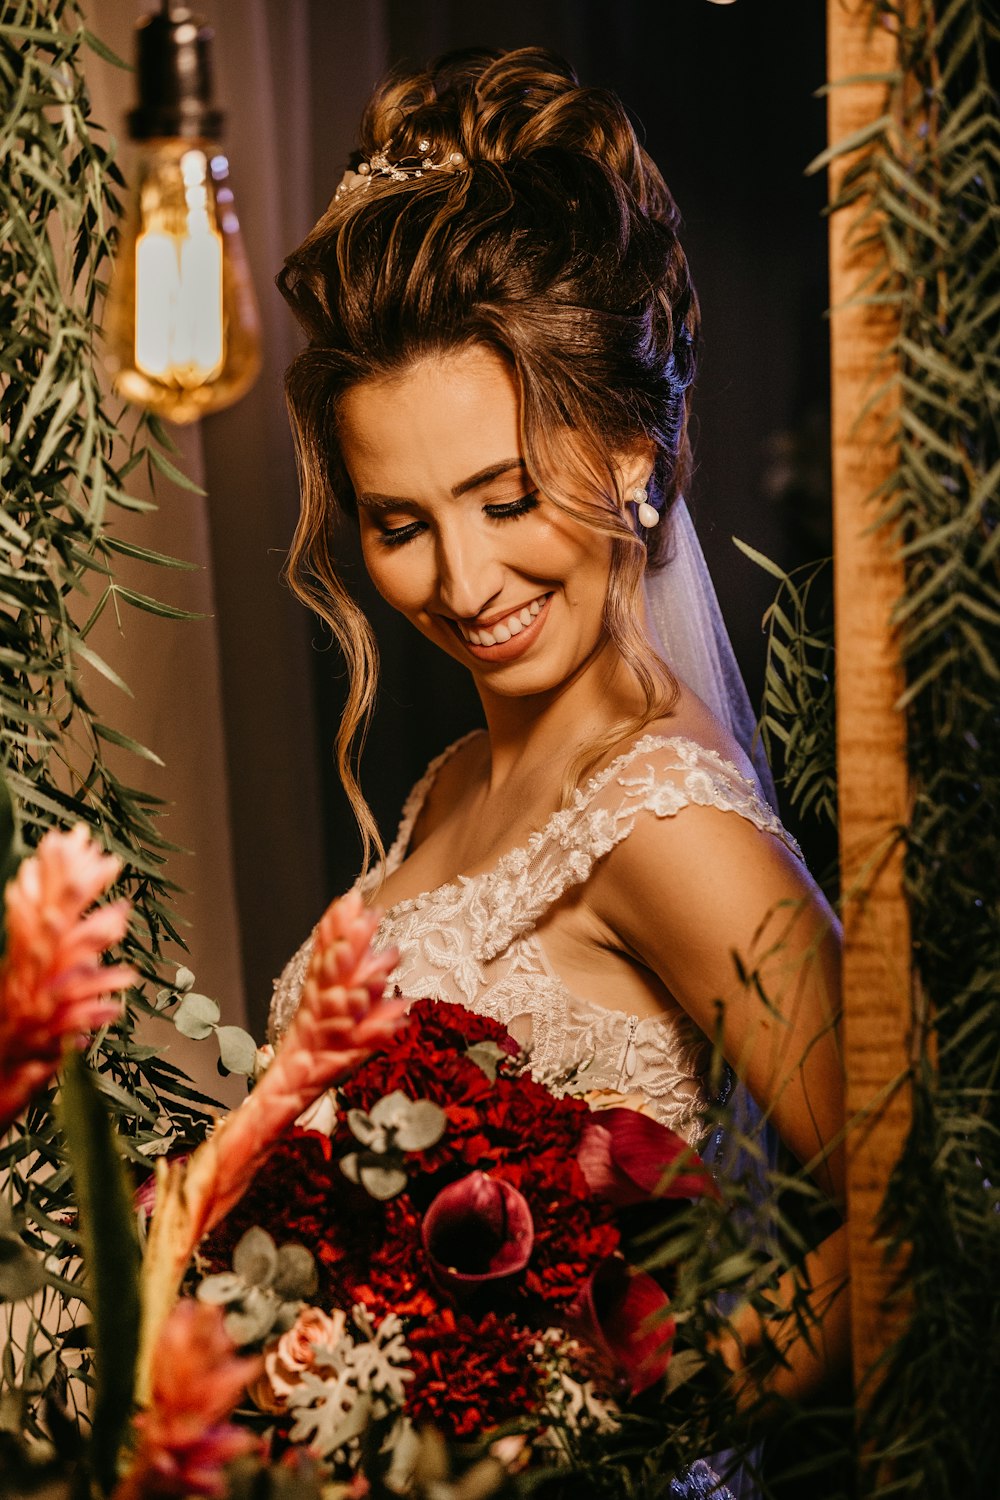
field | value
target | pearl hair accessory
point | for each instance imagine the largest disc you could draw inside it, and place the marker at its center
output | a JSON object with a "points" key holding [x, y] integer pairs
{"points": [[648, 514], [405, 169]]}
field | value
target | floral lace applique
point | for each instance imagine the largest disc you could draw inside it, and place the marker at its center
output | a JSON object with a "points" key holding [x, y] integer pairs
{"points": [[472, 940]]}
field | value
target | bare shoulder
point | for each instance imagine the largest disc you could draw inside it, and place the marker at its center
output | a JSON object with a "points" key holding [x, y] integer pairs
{"points": [[692, 721]]}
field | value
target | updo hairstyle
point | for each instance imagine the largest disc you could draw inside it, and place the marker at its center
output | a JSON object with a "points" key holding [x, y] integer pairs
{"points": [[555, 245]]}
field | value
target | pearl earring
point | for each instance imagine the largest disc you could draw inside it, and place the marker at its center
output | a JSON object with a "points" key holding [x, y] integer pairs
{"points": [[648, 514]]}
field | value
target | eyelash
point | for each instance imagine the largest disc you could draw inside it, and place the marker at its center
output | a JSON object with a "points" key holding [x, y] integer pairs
{"points": [[397, 536]]}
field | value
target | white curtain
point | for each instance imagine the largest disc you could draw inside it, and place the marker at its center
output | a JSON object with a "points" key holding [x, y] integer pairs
{"points": [[228, 702]]}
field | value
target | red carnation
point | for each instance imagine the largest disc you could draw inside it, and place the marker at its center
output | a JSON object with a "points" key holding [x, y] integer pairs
{"points": [[470, 1374]]}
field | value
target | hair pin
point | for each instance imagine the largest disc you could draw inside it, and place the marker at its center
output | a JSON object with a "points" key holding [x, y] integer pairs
{"points": [[405, 169]]}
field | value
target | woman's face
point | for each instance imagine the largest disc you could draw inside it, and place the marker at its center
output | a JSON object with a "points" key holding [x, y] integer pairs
{"points": [[454, 534]]}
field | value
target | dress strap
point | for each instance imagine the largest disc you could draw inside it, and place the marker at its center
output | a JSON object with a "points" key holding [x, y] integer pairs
{"points": [[658, 774], [413, 806]]}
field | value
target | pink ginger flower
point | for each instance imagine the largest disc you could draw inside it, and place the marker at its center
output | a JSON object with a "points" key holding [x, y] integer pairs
{"points": [[184, 1443], [54, 988], [341, 1018]]}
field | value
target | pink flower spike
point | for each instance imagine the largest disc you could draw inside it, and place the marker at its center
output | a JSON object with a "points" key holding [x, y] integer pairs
{"points": [[476, 1230], [627, 1157], [623, 1314], [54, 989], [183, 1442], [341, 1018]]}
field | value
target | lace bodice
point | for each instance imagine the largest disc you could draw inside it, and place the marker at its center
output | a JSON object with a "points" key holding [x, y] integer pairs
{"points": [[474, 941]]}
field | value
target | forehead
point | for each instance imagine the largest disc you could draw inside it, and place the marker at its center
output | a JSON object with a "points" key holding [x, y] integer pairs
{"points": [[444, 417]]}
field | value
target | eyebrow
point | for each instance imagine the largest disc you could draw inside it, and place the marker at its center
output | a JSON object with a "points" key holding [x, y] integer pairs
{"points": [[474, 482]]}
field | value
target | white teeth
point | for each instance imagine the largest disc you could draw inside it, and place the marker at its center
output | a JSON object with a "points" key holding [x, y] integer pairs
{"points": [[504, 629]]}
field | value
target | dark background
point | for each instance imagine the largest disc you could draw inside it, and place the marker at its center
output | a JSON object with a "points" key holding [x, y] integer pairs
{"points": [[725, 99]]}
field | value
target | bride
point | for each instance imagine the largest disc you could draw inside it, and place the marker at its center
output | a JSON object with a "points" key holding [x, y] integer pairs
{"points": [[501, 335]]}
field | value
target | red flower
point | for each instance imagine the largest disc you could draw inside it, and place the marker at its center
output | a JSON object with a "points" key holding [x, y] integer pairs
{"points": [[623, 1314], [476, 1231], [626, 1158], [470, 1374]]}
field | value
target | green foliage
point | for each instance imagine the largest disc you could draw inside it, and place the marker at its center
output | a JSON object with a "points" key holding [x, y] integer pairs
{"points": [[111, 1256], [934, 206], [66, 453], [10, 849], [798, 723]]}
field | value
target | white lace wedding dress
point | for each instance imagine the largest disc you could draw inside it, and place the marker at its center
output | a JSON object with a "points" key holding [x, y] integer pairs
{"points": [[474, 941]]}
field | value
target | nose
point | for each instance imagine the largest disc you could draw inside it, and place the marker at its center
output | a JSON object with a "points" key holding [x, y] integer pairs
{"points": [[470, 571]]}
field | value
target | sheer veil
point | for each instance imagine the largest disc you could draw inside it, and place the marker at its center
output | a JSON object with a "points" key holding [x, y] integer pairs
{"points": [[687, 627]]}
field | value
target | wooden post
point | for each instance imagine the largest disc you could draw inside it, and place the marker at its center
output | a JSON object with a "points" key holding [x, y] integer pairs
{"points": [[871, 733]]}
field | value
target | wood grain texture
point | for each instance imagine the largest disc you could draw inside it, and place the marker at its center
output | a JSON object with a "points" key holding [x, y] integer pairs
{"points": [[871, 733]]}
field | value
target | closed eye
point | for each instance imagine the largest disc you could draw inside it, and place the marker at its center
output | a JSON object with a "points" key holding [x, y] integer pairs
{"points": [[514, 508], [396, 536]]}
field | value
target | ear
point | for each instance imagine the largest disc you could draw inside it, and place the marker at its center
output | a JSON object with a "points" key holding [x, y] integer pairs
{"points": [[633, 467]]}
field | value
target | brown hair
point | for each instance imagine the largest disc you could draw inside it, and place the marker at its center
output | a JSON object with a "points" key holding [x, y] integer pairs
{"points": [[555, 244]]}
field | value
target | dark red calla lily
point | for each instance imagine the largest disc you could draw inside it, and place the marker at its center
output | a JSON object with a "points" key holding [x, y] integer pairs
{"points": [[626, 1156], [623, 1314], [478, 1229]]}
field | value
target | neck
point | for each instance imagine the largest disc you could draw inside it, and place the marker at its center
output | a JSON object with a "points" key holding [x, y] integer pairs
{"points": [[547, 729]]}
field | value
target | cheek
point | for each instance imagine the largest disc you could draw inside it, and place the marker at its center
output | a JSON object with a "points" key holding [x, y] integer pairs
{"points": [[395, 572]]}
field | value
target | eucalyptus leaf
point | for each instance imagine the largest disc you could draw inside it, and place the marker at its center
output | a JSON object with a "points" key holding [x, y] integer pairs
{"points": [[22, 1271], [296, 1277], [383, 1182], [237, 1049], [221, 1288], [422, 1126], [362, 1126], [252, 1319], [255, 1259], [196, 1016], [487, 1056]]}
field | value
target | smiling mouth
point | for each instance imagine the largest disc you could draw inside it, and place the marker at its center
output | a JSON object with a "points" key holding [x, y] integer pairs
{"points": [[502, 631]]}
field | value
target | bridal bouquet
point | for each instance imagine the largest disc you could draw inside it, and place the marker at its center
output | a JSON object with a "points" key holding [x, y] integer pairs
{"points": [[399, 1252], [465, 1223]]}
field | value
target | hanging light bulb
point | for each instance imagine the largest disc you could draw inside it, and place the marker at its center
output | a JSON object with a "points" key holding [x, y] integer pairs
{"points": [[181, 323]]}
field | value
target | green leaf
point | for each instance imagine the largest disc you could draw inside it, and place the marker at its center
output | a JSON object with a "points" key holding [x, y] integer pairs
{"points": [[155, 606], [853, 142], [103, 50], [255, 1259], [296, 1276], [237, 1049], [91, 657], [145, 554], [111, 1257], [760, 559], [22, 1271], [197, 1017], [173, 473], [67, 403], [11, 846], [125, 741]]}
